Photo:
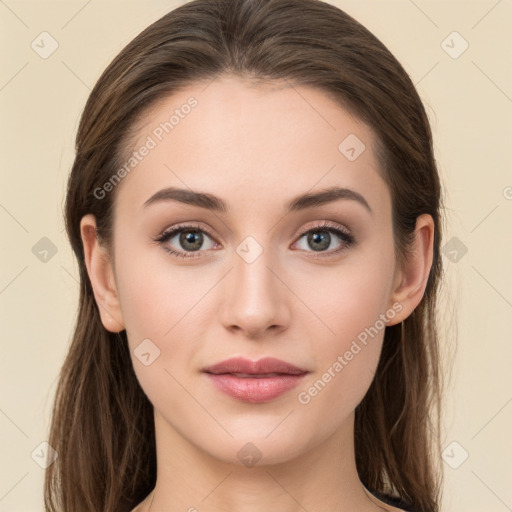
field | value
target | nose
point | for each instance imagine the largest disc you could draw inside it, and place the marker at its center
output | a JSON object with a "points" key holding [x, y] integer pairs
{"points": [[255, 301]]}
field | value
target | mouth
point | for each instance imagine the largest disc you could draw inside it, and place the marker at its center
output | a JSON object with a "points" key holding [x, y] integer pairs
{"points": [[254, 382], [245, 367]]}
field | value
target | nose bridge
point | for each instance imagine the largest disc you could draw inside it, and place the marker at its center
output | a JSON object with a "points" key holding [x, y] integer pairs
{"points": [[252, 262], [254, 298]]}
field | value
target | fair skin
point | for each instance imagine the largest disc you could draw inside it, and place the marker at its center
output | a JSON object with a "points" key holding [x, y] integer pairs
{"points": [[256, 148]]}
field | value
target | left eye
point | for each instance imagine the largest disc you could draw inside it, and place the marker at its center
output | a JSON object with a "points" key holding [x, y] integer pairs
{"points": [[320, 238]]}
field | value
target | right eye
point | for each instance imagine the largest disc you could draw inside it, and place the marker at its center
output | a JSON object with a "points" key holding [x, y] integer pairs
{"points": [[189, 237]]}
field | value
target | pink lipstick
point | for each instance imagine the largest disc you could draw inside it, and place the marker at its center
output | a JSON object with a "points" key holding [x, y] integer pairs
{"points": [[254, 381]]}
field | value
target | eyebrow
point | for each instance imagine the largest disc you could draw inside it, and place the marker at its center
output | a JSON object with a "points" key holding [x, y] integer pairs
{"points": [[214, 203]]}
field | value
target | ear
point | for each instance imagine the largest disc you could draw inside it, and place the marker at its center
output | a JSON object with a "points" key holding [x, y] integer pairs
{"points": [[411, 280], [101, 274]]}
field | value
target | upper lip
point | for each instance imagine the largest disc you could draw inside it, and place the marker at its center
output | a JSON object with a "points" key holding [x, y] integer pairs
{"points": [[262, 366]]}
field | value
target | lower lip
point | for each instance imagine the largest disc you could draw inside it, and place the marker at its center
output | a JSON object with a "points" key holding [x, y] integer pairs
{"points": [[254, 390]]}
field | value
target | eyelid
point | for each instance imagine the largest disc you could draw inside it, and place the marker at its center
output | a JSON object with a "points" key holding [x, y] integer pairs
{"points": [[303, 231], [325, 224], [183, 227]]}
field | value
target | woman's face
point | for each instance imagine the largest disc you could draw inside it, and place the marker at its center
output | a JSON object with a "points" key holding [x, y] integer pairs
{"points": [[253, 283]]}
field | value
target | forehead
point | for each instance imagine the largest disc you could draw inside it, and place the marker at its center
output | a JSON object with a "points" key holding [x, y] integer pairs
{"points": [[248, 142]]}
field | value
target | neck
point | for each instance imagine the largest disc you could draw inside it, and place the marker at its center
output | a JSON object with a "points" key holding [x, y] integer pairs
{"points": [[189, 479]]}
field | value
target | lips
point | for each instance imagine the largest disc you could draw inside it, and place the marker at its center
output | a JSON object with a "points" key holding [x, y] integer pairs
{"points": [[244, 367], [254, 381]]}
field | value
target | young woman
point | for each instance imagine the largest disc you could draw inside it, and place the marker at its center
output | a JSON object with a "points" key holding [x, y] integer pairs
{"points": [[255, 210]]}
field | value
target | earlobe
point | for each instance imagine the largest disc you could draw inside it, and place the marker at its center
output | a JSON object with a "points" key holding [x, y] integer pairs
{"points": [[101, 275], [411, 280]]}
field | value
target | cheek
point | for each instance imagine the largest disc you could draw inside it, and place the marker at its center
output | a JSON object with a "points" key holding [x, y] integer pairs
{"points": [[166, 303], [349, 298], [155, 294], [345, 362], [353, 309]]}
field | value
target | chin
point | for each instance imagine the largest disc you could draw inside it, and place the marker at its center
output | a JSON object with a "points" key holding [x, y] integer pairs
{"points": [[260, 449]]}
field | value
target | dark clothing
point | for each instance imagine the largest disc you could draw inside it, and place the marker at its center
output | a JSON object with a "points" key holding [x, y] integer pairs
{"points": [[394, 502]]}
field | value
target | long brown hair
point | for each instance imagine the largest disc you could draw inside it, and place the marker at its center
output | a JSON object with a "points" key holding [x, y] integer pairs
{"points": [[102, 422]]}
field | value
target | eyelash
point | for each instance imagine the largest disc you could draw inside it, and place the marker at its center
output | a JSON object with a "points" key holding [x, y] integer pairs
{"points": [[345, 236]]}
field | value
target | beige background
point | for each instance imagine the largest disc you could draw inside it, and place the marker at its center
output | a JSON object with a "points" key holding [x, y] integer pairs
{"points": [[469, 102]]}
